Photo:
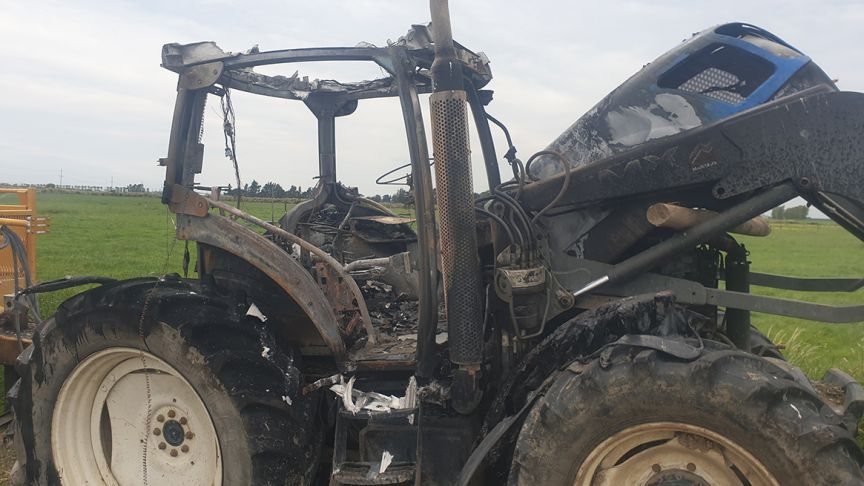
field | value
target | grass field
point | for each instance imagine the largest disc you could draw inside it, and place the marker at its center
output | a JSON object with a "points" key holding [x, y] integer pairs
{"points": [[133, 236], [821, 249]]}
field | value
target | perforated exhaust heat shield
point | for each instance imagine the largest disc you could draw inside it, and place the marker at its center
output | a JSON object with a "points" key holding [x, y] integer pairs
{"points": [[458, 237]]}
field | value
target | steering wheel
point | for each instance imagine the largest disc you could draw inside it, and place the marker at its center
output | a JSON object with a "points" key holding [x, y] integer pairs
{"points": [[401, 180]]}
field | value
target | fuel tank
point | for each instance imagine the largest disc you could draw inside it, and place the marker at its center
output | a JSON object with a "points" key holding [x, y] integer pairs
{"points": [[717, 73]]}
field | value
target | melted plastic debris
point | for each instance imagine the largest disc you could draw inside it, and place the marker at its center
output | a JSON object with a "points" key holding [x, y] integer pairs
{"points": [[386, 459], [255, 312], [391, 314], [356, 400], [796, 410]]}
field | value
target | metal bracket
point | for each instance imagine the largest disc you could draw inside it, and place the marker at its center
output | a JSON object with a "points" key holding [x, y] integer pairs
{"points": [[186, 201], [806, 284], [694, 293]]}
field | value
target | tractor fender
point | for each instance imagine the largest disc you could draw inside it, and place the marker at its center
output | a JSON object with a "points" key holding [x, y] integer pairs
{"points": [[274, 262]]}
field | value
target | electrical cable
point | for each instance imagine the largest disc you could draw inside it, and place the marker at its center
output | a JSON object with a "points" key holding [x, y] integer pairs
{"points": [[501, 223], [564, 185], [514, 206], [229, 128], [520, 212]]}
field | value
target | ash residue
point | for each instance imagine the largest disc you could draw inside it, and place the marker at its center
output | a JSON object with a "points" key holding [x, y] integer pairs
{"points": [[391, 314]]}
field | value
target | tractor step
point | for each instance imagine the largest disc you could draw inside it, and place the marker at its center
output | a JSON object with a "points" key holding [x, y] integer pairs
{"points": [[366, 473], [386, 445]]}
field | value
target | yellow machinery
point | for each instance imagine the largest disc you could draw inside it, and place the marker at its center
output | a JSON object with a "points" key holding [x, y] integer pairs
{"points": [[22, 220]]}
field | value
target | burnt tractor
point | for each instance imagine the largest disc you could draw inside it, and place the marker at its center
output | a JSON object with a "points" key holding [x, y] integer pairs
{"points": [[586, 322]]}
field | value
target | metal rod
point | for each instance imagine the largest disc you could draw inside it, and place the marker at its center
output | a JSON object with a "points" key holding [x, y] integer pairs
{"points": [[738, 280], [427, 236], [327, 146], [484, 134], [446, 70]]}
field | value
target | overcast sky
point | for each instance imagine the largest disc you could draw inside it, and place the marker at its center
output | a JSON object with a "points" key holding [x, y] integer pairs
{"points": [[81, 88]]}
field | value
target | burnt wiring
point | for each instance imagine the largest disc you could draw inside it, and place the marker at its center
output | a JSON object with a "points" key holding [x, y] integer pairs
{"points": [[564, 185], [515, 210], [229, 127], [501, 223], [519, 175]]}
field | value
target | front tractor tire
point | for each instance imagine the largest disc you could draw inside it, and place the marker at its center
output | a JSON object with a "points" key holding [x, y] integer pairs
{"points": [[206, 398], [643, 418]]}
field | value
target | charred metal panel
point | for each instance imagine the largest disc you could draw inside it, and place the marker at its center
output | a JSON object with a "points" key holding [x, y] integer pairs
{"points": [[275, 263]]}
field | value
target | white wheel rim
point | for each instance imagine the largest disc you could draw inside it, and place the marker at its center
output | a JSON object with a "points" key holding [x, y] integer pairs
{"points": [[104, 430], [670, 453]]}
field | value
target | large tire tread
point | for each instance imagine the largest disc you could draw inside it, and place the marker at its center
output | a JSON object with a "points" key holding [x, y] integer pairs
{"points": [[797, 435], [280, 440]]}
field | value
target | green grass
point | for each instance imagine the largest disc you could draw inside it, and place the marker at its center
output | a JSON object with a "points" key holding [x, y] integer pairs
{"points": [[113, 236], [816, 250]]}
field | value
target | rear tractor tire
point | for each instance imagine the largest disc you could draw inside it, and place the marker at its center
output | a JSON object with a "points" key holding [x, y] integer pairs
{"points": [[643, 418], [206, 398]]}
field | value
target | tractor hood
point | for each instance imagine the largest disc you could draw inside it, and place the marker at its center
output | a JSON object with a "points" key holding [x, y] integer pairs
{"points": [[715, 74]]}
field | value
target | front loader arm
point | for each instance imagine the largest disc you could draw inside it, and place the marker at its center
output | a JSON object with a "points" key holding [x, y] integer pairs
{"points": [[811, 139]]}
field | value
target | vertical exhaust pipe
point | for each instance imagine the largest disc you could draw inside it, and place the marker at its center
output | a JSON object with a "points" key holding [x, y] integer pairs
{"points": [[457, 228]]}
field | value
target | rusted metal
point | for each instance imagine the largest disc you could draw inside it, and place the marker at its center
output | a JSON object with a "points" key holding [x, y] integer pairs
{"points": [[187, 201], [263, 254], [427, 318], [319, 253], [201, 76], [340, 296]]}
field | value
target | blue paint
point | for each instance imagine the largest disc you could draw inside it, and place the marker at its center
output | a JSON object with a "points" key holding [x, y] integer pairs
{"points": [[784, 67]]}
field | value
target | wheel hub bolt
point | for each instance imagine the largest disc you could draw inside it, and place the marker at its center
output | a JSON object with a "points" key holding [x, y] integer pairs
{"points": [[182, 420], [160, 418], [691, 467], [173, 432], [190, 435], [173, 452], [162, 446], [185, 448], [656, 468], [157, 431], [171, 413]]}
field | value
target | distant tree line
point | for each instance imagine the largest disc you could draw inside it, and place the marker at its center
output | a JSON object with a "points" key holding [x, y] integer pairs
{"points": [[402, 196], [270, 189], [796, 212], [132, 188], [275, 190]]}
